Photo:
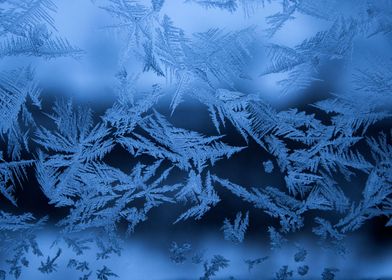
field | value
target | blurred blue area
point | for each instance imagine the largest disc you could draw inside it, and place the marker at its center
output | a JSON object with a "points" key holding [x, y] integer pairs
{"points": [[148, 257]]}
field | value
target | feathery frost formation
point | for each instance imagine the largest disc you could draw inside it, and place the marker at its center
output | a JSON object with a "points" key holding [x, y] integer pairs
{"points": [[317, 149]]}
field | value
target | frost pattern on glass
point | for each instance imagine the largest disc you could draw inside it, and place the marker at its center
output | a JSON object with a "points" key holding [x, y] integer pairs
{"points": [[316, 149]]}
